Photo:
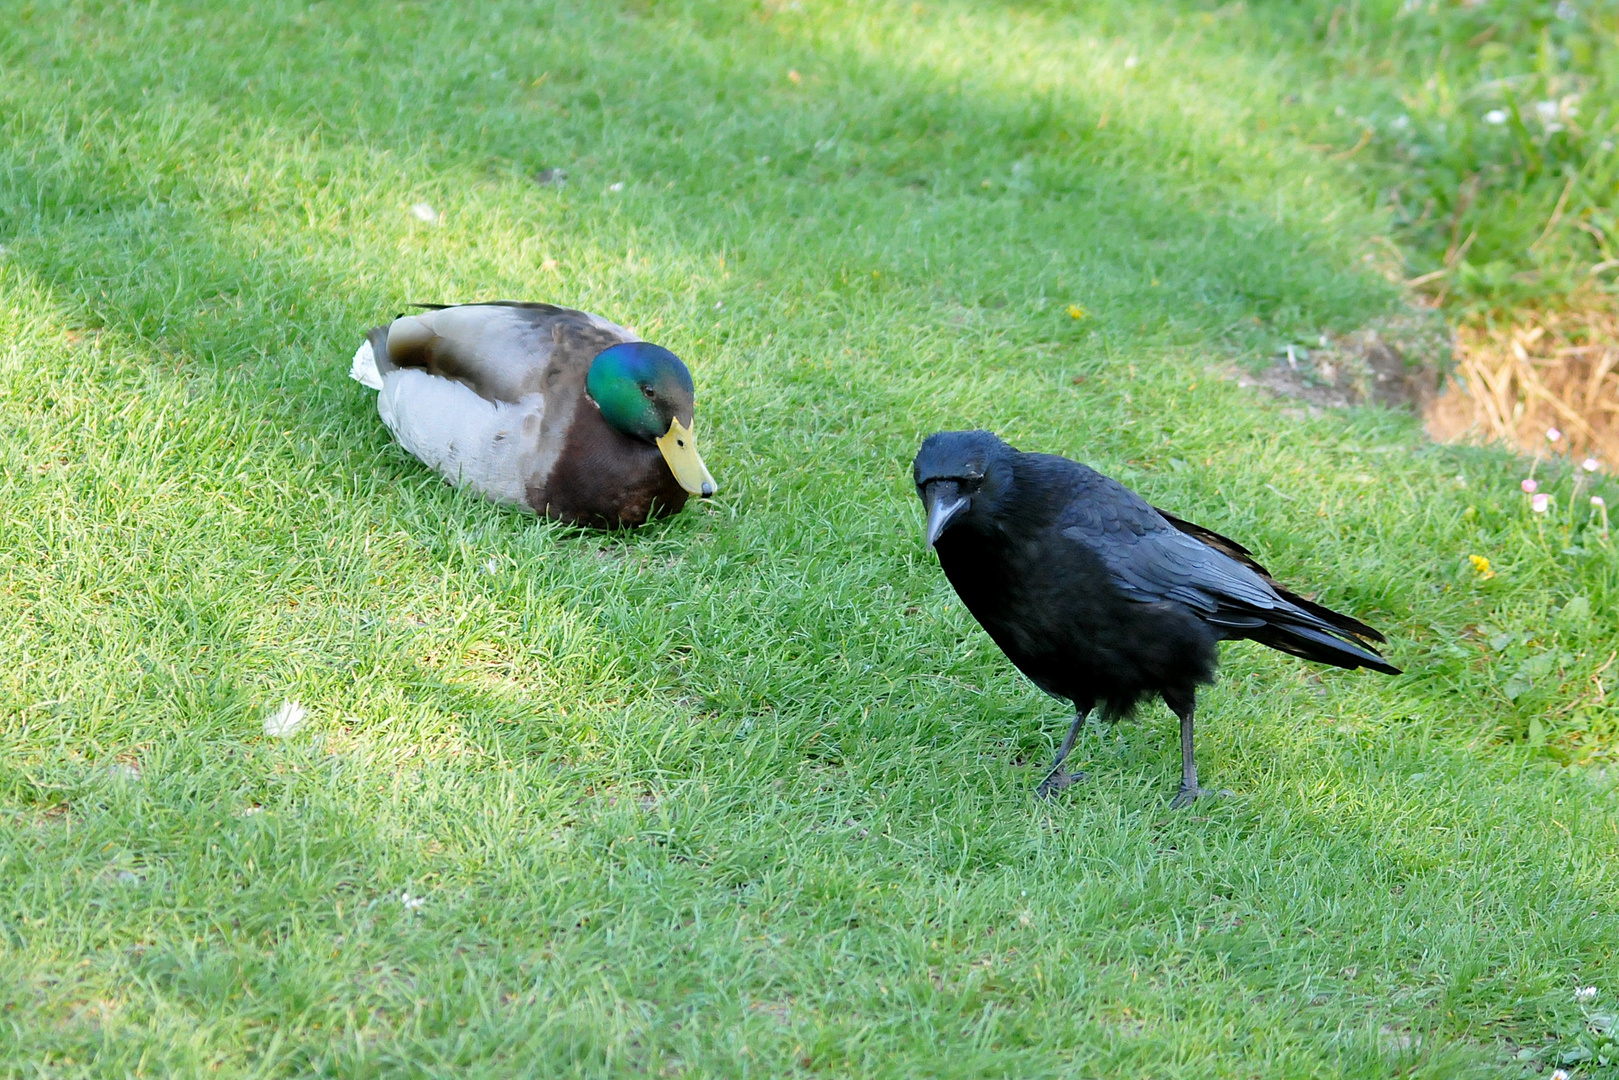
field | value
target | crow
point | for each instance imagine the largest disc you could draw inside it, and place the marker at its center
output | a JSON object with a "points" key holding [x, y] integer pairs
{"points": [[1099, 597]]}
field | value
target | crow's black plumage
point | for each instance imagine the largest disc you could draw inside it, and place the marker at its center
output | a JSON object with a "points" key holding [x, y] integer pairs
{"points": [[1100, 598]]}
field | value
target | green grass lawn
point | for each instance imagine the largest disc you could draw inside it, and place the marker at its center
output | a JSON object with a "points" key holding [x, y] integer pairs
{"points": [[745, 793]]}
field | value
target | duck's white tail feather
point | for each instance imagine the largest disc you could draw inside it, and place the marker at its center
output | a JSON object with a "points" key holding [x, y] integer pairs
{"points": [[364, 369]]}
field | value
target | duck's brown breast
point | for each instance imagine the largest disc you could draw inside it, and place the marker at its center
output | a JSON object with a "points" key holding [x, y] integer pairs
{"points": [[604, 478]]}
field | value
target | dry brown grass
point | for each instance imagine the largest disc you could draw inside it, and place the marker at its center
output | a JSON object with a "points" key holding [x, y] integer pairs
{"points": [[1543, 370]]}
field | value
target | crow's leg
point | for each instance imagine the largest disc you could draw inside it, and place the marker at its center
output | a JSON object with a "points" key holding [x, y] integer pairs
{"points": [[1183, 705], [1057, 779]]}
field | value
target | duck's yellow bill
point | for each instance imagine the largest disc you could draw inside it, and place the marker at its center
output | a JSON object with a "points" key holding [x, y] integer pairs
{"points": [[679, 448]]}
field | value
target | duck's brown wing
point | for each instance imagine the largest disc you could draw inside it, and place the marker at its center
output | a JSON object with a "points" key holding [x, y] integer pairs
{"points": [[502, 351]]}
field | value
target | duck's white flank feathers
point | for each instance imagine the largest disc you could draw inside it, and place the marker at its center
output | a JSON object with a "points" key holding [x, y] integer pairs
{"points": [[364, 368], [486, 445]]}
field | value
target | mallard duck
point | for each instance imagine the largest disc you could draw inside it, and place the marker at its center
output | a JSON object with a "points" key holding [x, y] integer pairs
{"points": [[534, 405]]}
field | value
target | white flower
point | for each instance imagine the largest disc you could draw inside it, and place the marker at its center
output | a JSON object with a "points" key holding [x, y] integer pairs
{"points": [[1559, 1074], [412, 903], [1495, 116], [1552, 434], [284, 721], [1585, 993], [1546, 110], [1590, 464], [1598, 501], [1130, 61], [424, 212], [616, 186], [1540, 503]]}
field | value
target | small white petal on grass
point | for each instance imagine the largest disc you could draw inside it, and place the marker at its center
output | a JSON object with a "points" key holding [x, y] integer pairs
{"points": [[424, 212], [718, 304], [1552, 434], [1131, 61], [1495, 116], [1598, 501], [412, 903], [1585, 993], [1590, 464], [493, 565], [1540, 503], [616, 186], [285, 720]]}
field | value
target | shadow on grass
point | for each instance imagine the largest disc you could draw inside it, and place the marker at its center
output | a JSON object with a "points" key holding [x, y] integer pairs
{"points": [[252, 207], [232, 195]]}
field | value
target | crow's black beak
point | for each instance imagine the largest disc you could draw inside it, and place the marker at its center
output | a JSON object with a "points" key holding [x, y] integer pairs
{"points": [[943, 500]]}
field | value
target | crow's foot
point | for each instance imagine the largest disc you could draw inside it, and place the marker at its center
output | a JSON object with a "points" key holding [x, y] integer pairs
{"points": [[1056, 782], [1189, 795]]}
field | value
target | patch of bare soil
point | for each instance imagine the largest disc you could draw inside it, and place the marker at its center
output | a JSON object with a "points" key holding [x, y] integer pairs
{"points": [[1544, 371], [1395, 361]]}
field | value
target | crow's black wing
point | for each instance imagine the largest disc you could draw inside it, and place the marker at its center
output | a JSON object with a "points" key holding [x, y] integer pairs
{"points": [[1150, 560], [1236, 551]]}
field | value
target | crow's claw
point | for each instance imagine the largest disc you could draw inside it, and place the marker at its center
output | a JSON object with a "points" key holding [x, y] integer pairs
{"points": [[1189, 795], [1056, 782]]}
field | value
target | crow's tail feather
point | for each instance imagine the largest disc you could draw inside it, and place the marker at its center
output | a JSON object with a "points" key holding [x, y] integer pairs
{"points": [[1340, 623], [1324, 645]]}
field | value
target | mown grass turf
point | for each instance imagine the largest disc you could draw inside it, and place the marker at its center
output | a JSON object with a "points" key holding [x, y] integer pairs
{"points": [[745, 793]]}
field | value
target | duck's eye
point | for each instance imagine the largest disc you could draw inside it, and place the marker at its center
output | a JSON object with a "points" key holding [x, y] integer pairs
{"points": [[648, 391], [680, 442]]}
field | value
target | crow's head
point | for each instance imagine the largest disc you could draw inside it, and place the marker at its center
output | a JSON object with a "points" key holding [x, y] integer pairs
{"points": [[961, 475]]}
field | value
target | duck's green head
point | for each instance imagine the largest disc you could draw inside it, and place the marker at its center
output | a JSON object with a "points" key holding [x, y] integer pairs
{"points": [[644, 391]]}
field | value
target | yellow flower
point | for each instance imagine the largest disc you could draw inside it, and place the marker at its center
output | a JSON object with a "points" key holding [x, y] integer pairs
{"points": [[1076, 312], [1481, 567]]}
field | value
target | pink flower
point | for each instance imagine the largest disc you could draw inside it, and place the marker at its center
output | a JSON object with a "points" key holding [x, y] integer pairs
{"points": [[1529, 486], [1540, 502], [1590, 464], [1598, 501], [1552, 434]]}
